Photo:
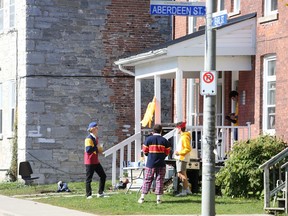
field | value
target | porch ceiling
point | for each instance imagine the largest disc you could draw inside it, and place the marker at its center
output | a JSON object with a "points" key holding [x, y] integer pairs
{"points": [[235, 44]]}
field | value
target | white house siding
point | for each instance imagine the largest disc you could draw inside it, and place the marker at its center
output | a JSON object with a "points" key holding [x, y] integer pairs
{"points": [[12, 59]]}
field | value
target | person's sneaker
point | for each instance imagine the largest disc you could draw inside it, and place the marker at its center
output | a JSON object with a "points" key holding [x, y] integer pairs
{"points": [[102, 195], [183, 193], [89, 197], [158, 201], [141, 200], [188, 192]]}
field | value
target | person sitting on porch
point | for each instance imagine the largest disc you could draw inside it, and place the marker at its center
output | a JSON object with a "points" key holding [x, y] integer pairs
{"points": [[233, 117]]}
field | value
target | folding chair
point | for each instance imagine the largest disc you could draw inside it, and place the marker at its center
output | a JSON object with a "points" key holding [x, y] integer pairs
{"points": [[25, 171]]}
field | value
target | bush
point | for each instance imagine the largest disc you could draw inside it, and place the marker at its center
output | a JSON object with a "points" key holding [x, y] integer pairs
{"points": [[241, 176]]}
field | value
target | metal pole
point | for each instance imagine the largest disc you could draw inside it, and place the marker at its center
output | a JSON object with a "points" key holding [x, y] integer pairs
{"points": [[208, 160]]}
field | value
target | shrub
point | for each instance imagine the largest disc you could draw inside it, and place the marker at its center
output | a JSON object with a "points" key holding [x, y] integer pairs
{"points": [[241, 176]]}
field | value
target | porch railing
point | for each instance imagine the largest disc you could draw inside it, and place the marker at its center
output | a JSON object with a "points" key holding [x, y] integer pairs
{"points": [[272, 189], [223, 144]]}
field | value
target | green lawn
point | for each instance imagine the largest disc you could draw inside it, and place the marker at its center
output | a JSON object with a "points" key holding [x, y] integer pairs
{"points": [[120, 203]]}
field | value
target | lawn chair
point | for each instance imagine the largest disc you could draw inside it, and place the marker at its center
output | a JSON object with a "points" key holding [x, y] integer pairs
{"points": [[25, 171]]}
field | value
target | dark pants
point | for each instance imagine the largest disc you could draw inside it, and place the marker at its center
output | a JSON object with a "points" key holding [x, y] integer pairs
{"points": [[235, 132], [90, 169]]}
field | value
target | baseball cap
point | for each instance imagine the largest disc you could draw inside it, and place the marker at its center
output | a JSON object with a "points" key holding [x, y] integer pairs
{"points": [[91, 125]]}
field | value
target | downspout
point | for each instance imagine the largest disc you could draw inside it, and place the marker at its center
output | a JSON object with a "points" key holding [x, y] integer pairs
{"points": [[125, 70]]}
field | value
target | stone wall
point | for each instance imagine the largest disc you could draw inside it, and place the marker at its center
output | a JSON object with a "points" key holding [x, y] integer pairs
{"points": [[71, 79]]}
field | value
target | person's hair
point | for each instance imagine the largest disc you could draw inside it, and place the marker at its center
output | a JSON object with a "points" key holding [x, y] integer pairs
{"points": [[233, 94], [157, 128], [181, 125]]}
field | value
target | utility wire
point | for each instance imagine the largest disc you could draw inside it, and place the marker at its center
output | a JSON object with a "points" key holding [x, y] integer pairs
{"points": [[54, 168]]}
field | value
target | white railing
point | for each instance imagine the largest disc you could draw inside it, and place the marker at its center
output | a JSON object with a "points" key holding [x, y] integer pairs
{"points": [[223, 144], [120, 147]]}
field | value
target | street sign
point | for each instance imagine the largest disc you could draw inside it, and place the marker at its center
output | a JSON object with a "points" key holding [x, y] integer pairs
{"points": [[169, 8], [219, 18], [208, 83]]}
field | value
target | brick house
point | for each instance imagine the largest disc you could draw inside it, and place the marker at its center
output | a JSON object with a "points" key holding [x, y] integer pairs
{"points": [[57, 75], [250, 58]]}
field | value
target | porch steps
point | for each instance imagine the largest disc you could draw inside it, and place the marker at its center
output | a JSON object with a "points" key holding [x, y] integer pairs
{"points": [[281, 202], [275, 210]]}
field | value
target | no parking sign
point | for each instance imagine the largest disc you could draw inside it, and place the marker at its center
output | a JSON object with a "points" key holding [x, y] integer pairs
{"points": [[208, 83]]}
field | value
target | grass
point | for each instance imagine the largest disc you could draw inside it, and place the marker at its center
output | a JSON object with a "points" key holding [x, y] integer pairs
{"points": [[120, 203]]}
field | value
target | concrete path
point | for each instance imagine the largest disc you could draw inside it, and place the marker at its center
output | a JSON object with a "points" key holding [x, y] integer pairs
{"points": [[19, 207]]}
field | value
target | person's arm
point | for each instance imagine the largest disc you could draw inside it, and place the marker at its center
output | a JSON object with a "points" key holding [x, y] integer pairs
{"points": [[232, 118], [167, 148], [145, 147], [89, 146], [186, 144]]}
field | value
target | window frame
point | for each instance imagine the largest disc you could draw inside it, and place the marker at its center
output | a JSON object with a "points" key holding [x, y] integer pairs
{"points": [[1, 111], [266, 80], [1, 16], [12, 15], [12, 107], [236, 6], [268, 8], [220, 5]]}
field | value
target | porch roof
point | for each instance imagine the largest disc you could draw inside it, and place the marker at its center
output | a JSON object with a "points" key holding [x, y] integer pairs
{"points": [[235, 44]]}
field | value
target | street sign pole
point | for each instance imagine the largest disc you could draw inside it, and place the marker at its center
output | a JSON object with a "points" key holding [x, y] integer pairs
{"points": [[208, 159]]}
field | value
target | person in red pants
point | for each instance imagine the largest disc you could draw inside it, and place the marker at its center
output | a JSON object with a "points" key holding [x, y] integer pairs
{"points": [[156, 148]]}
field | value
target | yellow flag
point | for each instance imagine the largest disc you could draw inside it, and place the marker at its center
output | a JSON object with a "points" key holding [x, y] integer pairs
{"points": [[148, 116]]}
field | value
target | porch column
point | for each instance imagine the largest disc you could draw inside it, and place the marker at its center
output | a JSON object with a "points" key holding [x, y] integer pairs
{"points": [[137, 117], [157, 93], [179, 96]]}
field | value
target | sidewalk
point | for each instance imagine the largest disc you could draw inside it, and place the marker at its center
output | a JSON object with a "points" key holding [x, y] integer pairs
{"points": [[20, 207]]}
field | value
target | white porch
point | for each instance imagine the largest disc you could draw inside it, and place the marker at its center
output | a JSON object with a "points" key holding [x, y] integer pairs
{"points": [[182, 59]]}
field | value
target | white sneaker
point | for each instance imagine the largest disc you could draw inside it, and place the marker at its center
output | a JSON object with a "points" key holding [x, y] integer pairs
{"points": [[89, 197], [188, 192], [102, 195], [183, 193], [141, 200]]}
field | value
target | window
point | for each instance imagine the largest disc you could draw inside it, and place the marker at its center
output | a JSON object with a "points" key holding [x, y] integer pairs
{"points": [[12, 14], [12, 105], [192, 24], [1, 111], [1, 15], [269, 94], [220, 5], [236, 6], [271, 7]]}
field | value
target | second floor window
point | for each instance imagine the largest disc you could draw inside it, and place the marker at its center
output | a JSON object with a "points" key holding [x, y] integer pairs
{"points": [[1, 15], [270, 7], [1, 109], [220, 5], [12, 13], [236, 6]]}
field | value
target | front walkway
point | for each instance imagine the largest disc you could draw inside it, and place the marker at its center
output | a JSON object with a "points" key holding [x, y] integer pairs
{"points": [[19, 207]]}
